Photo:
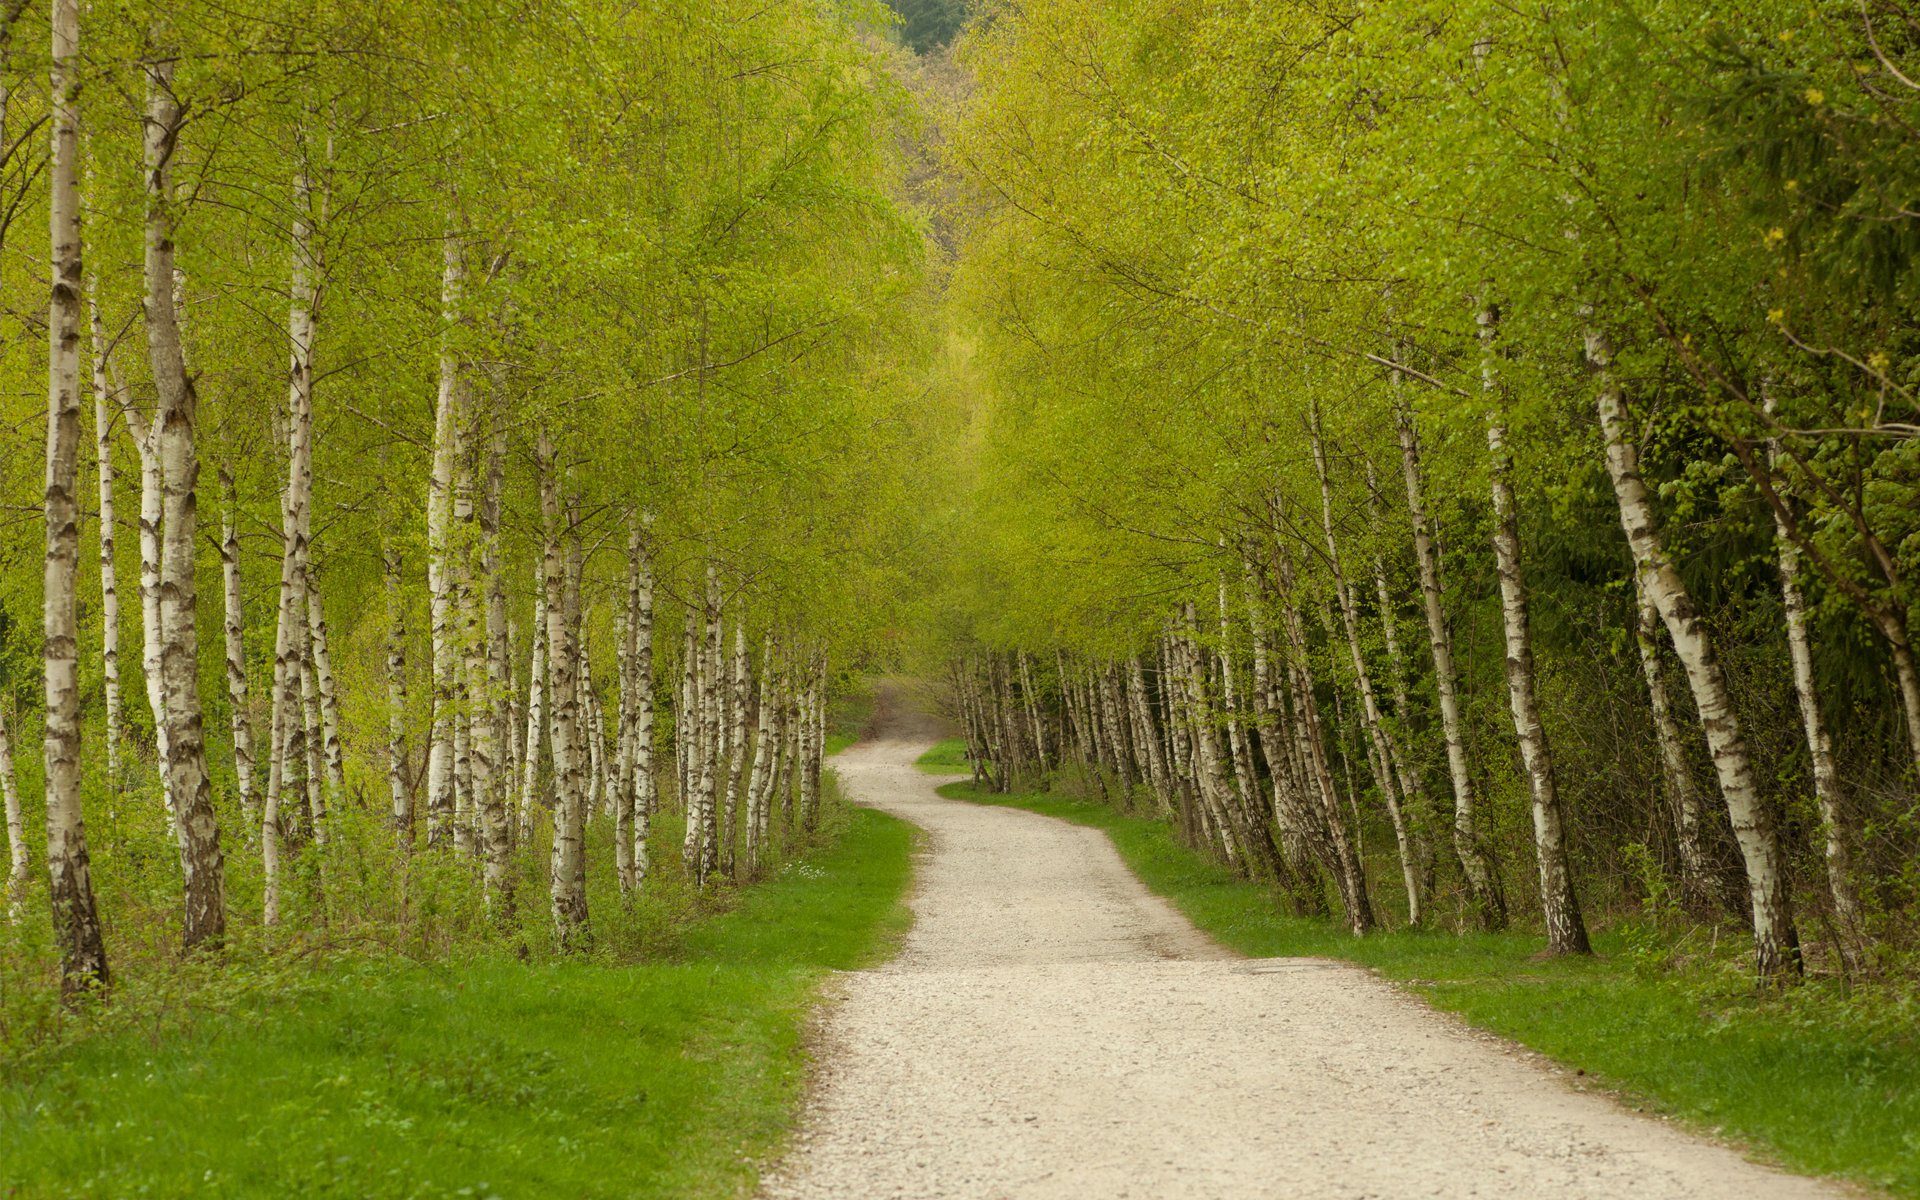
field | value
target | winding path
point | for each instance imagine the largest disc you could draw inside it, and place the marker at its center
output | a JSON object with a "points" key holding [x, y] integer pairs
{"points": [[1051, 1029]]}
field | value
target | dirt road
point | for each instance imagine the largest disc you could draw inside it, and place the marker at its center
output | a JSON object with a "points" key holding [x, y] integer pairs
{"points": [[1053, 1030]]}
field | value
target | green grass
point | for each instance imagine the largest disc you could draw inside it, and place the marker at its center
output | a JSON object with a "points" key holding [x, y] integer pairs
{"points": [[387, 1078], [1816, 1079], [948, 757]]}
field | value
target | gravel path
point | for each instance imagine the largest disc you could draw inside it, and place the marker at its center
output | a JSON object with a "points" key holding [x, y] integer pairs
{"points": [[1052, 1029]]}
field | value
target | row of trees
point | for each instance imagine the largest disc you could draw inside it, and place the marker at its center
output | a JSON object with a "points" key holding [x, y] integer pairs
{"points": [[1460, 434], [496, 343]]}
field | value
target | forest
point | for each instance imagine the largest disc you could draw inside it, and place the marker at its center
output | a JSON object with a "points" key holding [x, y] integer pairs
{"points": [[466, 470]]}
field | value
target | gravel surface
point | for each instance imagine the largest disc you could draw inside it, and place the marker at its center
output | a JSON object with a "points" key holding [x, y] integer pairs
{"points": [[1051, 1029]]}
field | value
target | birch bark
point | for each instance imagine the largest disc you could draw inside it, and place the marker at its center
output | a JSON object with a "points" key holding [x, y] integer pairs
{"points": [[1836, 829], [536, 714], [1776, 941], [440, 583], [1383, 754], [202, 866], [1476, 858], [76, 923], [645, 792], [560, 582], [17, 861], [234, 628], [103, 399], [1696, 873], [399, 795]]}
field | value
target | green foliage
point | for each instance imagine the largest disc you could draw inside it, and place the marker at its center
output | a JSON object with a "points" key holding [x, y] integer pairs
{"points": [[357, 1074], [1821, 1079]]}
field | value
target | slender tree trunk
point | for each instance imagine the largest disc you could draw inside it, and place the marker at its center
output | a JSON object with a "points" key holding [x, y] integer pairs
{"points": [[1383, 753], [1697, 881], [760, 783], [235, 629], [487, 681], [76, 923], [201, 863], [399, 794], [103, 397], [1837, 829], [816, 740], [560, 582], [17, 862], [1560, 905], [1146, 737], [334, 756], [623, 789], [1240, 752], [1776, 942], [645, 792], [440, 578], [536, 713], [1476, 858], [687, 753], [1341, 858], [152, 508], [317, 805], [741, 824]]}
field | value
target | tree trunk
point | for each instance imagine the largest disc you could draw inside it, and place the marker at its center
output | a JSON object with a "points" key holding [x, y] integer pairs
{"points": [[1337, 850], [536, 714], [234, 628], [817, 739], [76, 923], [1560, 905], [1776, 941], [1476, 858], [645, 793], [17, 863], [440, 578], [202, 867], [1383, 753], [568, 883], [1837, 829], [712, 686], [399, 795], [103, 396], [1697, 882], [488, 684], [333, 756]]}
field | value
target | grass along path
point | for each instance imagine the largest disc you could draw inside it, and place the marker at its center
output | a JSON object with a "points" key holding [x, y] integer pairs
{"points": [[387, 1078], [1814, 1079]]}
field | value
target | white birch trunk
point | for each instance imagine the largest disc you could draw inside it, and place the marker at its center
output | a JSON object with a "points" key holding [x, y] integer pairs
{"points": [[568, 883], [1837, 830], [440, 568], [713, 686], [487, 684], [76, 922], [645, 792], [760, 783], [1776, 942], [1560, 904], [1383, 753], [103, 403], [1476, 860], [333, 755], [202, 866], [234, 628], [17, 861], [536, 716], [399, 794], [1696, 874]]}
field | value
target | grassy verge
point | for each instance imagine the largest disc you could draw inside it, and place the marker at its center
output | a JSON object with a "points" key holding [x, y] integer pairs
{"points": [[947, 757], [1817, 1079], [382, 1077]]}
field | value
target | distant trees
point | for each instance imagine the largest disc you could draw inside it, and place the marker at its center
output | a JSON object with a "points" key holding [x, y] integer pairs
{"points": [[1626, 292], [504, 342]]}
